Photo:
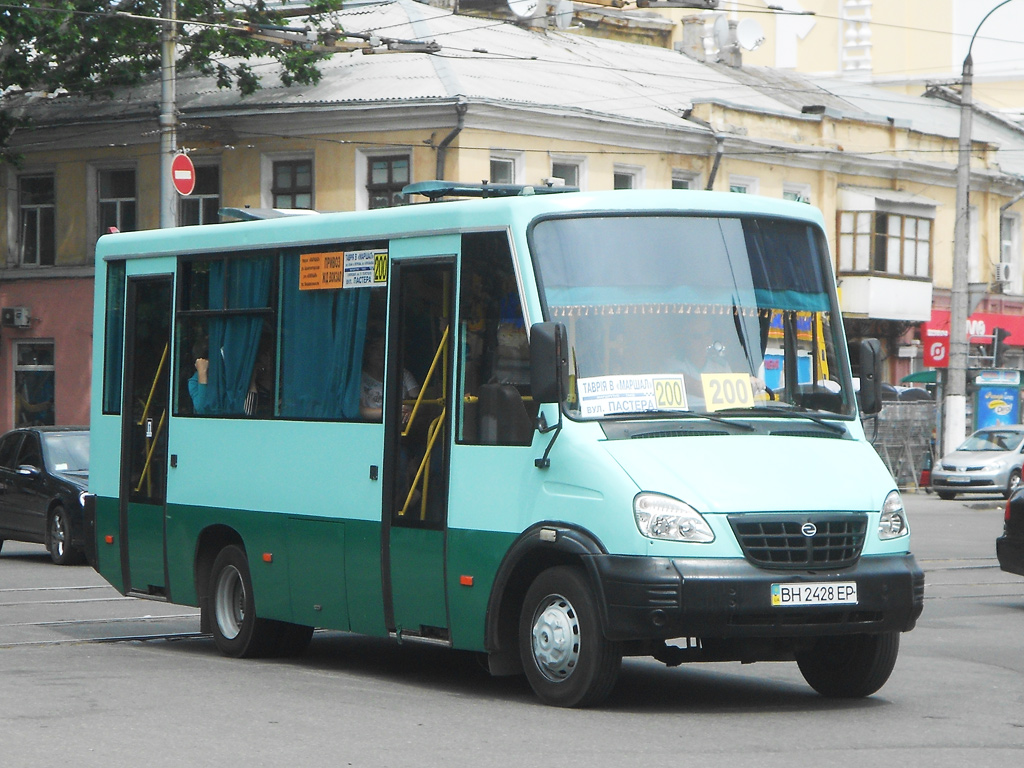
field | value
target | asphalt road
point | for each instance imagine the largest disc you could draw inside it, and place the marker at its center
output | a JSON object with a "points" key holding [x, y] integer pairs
{"points": [[93, 679]]}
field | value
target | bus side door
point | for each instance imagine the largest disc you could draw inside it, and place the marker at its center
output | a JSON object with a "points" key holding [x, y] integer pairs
{"points": [[143, 492], [416, 449]]}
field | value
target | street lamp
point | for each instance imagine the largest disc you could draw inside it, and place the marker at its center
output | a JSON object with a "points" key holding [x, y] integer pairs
{"points": [[954, 417]]}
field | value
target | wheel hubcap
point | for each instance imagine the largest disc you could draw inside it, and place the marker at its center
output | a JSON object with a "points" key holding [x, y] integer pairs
{"points": [[229, 602], [556, 638], [57, 535]]}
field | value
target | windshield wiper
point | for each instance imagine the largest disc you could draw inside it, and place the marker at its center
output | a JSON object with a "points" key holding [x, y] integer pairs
{"points": [[789, 413], [685, 415]]}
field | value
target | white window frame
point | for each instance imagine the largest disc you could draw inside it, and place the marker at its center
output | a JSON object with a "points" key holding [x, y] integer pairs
{"points": [[580, 161], [183, 199], [17, 248], [748, 185], [93, 194], [800, 193], [685, 179], [518, 160], [267, 160], [636, 174], [1010, 251], [361, 175], [17, 368]]}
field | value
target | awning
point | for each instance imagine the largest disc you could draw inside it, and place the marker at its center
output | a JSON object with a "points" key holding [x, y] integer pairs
{"points": [[921, 377]]}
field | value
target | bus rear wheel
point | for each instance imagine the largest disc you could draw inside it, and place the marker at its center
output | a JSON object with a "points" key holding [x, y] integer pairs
{"points": [[236, 629], [850, 667], [567, 659]]}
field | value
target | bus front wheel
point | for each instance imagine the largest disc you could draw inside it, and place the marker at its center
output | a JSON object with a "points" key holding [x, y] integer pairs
{"points": [[850, 667], [236, 629], [567, 659]]}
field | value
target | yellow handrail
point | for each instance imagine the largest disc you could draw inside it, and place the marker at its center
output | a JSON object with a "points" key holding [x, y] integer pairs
{"points": [[152, 389], [423, 470], [441, 347], [152, 441]]}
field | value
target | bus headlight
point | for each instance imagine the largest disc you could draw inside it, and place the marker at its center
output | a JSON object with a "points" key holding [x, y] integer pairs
{"points": [[893, 522], [662, 517]]}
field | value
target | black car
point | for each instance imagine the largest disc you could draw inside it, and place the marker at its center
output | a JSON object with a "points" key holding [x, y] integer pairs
{"points": [[44, 473], [1010, 546]]}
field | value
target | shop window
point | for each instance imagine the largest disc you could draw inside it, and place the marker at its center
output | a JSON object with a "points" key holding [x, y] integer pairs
{"points": [[117, 201], [386, 178], [34, 383], [202, 206], [36, 223]]}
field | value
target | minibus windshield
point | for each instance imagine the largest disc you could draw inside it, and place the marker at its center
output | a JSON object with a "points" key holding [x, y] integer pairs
{"points": [[681, 314]]}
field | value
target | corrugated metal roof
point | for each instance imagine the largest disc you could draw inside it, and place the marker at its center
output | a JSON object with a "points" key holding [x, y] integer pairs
{"points": [[550, 71]]}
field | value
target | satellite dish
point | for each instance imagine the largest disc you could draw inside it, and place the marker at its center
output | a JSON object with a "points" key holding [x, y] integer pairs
{"points": [[720, 30], [562, 12], [749, 34], [524, 9]]}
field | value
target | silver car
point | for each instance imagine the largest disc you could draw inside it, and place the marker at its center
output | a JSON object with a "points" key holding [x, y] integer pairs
{"points": [[989, 461]]}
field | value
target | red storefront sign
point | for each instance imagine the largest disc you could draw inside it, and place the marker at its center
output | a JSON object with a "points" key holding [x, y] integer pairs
{"points": [[980, 327]]}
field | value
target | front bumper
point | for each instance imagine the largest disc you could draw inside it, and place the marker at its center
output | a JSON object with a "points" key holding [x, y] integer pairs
{"points": [[974, 481], [1010, 553], [648, 598]]}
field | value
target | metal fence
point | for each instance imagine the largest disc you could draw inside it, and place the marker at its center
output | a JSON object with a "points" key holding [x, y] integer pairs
{"points": [[904, 438]]}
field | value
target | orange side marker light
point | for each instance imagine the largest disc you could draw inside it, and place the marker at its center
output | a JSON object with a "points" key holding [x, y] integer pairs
{"points": [[466, 581]]}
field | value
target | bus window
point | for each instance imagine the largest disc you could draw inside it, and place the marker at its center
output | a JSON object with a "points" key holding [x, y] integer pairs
{"points": [[226, 312], [494, 349], [323, 330]]}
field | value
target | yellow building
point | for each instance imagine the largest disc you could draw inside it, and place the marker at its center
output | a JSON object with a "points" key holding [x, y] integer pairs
{"points": [[509, 104]]}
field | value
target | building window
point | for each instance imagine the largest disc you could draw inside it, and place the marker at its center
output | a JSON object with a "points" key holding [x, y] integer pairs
{"points": [[37, 240], [627, 177], [1010, 251], [117, 200], [684, 180], [885, 243], [202, 205], [387, 177], [745, 185], [33, 383], [569, 173], [798, 193], [503, 170], [293, 184]]}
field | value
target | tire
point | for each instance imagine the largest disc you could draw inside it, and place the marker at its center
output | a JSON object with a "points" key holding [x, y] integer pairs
{"points": [[58, 538], [567, 659], [1012, 484], [850, 667], [947, 495], [237, 631]]}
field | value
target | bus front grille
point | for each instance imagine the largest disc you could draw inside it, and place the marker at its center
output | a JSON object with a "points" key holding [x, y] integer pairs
{"points": [[807, 541]]}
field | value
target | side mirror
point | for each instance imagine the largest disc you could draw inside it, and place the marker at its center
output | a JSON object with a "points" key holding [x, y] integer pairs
{"points": [[549, 367], [870, 395], [28, 470]]}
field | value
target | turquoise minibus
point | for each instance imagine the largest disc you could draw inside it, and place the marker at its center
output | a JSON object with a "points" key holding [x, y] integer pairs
{"points": [[551, 427]]}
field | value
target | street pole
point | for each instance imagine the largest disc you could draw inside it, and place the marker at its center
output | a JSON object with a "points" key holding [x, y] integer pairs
{"points": [[954, 406], [168, 115]]}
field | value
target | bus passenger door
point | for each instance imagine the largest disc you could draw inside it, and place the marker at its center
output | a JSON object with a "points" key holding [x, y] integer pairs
{"points": [[144, 417], [416, 450]]}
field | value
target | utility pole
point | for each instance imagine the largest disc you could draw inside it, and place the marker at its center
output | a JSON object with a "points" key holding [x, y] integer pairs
{"points": [[168, 115], [954, 405]]}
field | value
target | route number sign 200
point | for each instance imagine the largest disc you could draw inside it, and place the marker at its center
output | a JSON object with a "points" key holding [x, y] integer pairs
{"points": [[727, 390]]}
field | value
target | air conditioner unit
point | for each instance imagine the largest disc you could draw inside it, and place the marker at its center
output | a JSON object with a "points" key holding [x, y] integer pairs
{"points": [[1002, 270], [14, 317]]}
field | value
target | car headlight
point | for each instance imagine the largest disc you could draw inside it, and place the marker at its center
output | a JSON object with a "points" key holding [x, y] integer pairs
{"points": [[893, 522], [662, 517]]}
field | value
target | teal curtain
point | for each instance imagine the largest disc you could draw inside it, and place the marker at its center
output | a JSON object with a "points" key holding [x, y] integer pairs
{"points": [[322, 334], [234, 341]]}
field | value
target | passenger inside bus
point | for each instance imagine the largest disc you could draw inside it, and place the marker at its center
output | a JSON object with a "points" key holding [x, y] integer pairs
{"points": [[198, 384]]}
